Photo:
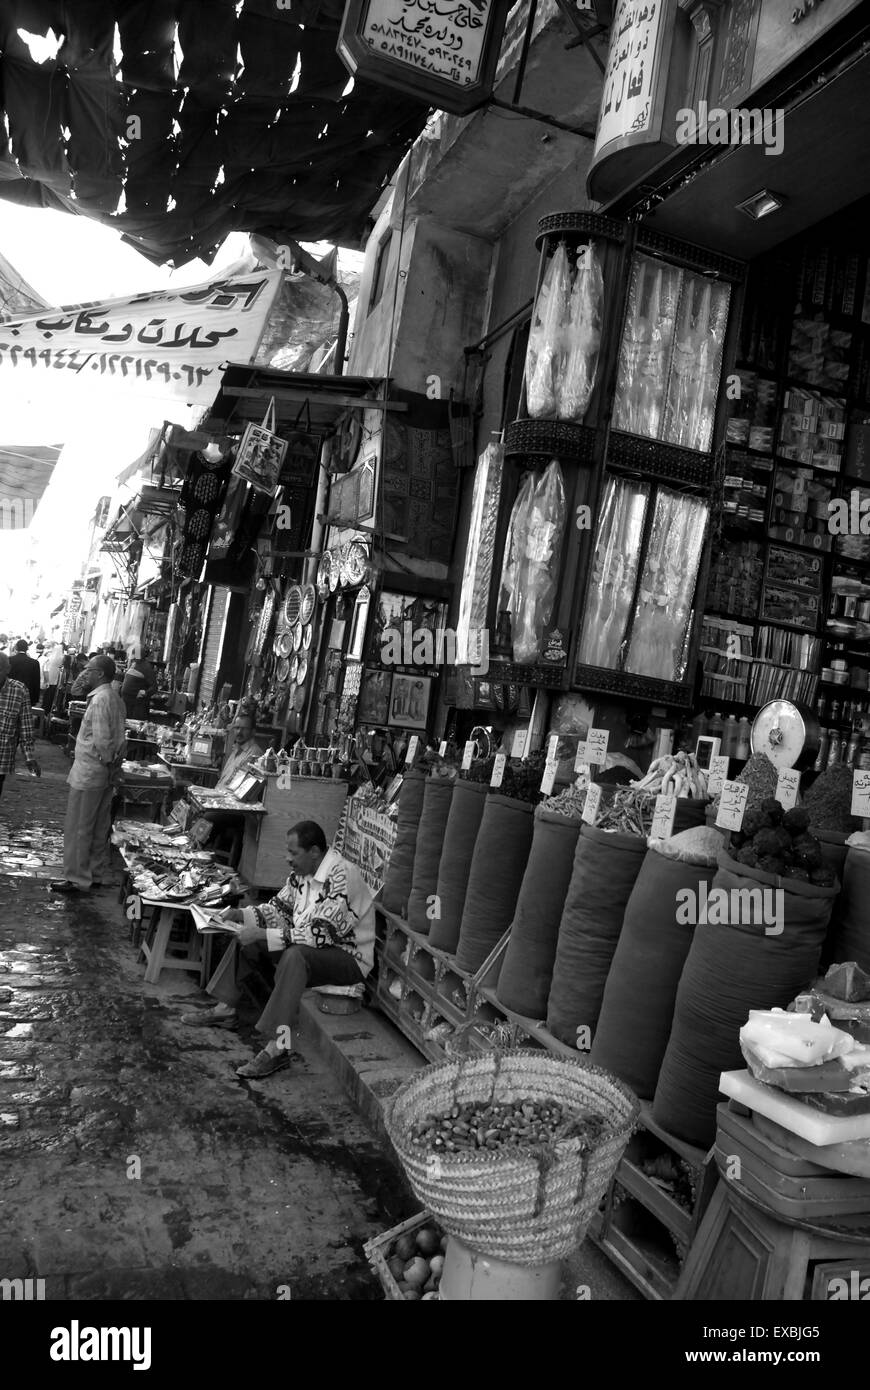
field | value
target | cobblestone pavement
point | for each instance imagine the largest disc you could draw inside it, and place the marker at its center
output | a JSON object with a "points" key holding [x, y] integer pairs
{"points": [[242, 1187]]}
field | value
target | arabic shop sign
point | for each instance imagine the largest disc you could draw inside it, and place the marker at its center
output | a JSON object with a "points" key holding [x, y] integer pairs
{"points": [[174, 343], [629, 108], [444, 52]]}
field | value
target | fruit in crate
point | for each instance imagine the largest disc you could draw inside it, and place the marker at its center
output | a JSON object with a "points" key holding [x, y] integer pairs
{"points": [[416, 1262], [677, 774]]}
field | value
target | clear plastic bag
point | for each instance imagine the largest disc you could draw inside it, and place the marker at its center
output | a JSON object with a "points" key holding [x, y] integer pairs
{"points": [[667, 587], [696, 362], [582, 337], [539, 566], [546, 352], [644, 355], [614, 573]]}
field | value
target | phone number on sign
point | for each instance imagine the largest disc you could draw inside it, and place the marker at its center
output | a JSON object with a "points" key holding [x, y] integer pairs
{"points": [[113, 364]]}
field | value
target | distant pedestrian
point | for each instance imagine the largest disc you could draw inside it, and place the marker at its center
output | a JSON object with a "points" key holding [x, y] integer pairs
{"points": [[16, 724], [98, 753], [52, 664], [26, 669]]}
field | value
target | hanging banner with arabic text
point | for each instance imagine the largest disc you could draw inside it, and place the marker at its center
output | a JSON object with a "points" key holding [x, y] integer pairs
{"points": [[173, 342], [639, 35], [366, 839]]}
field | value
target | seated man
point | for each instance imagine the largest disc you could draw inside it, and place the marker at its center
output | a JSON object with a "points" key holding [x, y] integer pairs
{"points": [[245, 748], [319, 930]]}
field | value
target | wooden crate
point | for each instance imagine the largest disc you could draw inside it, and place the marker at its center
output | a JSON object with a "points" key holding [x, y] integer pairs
{"points": [[379, 1249], [263, 863]]}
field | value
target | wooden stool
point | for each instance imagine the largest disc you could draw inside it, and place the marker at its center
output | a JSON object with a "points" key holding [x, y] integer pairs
{"points": [[744, 1251], [154, 945]]}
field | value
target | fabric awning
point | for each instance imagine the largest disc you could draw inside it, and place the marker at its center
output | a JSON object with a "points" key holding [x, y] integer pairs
{"points": [[25, 472], [180, 122]]}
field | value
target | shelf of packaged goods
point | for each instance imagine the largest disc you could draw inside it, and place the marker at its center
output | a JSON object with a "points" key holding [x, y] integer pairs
{"points": [[846, 689]]}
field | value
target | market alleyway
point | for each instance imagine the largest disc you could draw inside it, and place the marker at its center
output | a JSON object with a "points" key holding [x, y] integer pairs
{"points": [[244, 1187]]}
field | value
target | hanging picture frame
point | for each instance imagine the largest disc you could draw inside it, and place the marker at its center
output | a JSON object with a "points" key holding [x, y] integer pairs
{"points": [[409, 701], [260, 455]]}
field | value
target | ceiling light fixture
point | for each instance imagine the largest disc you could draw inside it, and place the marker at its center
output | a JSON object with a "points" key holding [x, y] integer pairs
{"points": [[761, 204]]}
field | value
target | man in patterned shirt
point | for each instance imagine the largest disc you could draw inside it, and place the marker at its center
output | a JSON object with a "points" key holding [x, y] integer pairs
{"points": [[99, 749], [16, 723], [319, 930]]}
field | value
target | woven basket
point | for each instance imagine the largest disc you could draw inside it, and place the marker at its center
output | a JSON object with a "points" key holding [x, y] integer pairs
{"points": [[527, 1208]]}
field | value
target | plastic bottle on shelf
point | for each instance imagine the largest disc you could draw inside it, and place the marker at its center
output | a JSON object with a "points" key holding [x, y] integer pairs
{"points": [[822, 759], [835, 748], [715, 726], [729, 737], [744, 737], [699, 729], [854, 750]]}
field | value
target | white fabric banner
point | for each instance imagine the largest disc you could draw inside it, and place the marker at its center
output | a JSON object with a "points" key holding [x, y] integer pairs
{"points": [[175, 342]]}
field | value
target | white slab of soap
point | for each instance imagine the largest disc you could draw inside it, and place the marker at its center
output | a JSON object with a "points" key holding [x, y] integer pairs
{"points": [[792, 1113]]}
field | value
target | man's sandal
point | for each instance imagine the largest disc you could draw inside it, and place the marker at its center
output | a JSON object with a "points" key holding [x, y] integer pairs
{"points": [[264, 1064]]}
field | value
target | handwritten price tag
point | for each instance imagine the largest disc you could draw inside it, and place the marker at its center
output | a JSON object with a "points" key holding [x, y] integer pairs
{"points": [[498, 768], [580, 760], [413, 745], [732, 807], [787, 784], [590, 806], [718, 775], [596, 746], [468, 754], [442, 750], [549, 777], [552, 748], [663, 817], [519, 748], [861, 794]]}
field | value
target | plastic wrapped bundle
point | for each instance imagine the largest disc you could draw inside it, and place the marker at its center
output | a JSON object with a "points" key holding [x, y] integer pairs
{"points": [[546, 351], [583, 337], [535, 593]]}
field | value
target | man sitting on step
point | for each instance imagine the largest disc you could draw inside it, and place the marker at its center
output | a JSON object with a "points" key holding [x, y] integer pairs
{"points": [[319, 930]]}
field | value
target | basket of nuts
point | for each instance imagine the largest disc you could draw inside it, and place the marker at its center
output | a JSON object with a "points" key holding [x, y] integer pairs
{"points": [[512, 1152]]}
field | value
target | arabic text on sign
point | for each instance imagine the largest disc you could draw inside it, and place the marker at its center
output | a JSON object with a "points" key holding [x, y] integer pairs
{"points": [[663, 817], [787, 784], [718, 774], [580, 760], [596, 746], [498, 768], [442, 751], [413, 745], [590, 805], [861, 794], [626, 101], [468, 755], [549, 777], [552, 748], [732, 806], [434, 36]]}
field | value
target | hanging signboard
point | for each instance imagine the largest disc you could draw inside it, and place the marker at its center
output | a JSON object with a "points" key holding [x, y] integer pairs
{"points": [[445, 54], [171, 342]]}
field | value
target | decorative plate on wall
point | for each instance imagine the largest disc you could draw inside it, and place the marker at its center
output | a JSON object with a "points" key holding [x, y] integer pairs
{"points": [[292, 606], [307, 636], [302, 670], [294, 668], [324, 576], [282, 670], [309, 603], [297, 636], [356, 563], [284, 644]]}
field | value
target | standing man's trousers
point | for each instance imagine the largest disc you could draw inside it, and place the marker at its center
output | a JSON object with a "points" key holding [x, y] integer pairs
{"points": [[296, 969], [87, 855]]}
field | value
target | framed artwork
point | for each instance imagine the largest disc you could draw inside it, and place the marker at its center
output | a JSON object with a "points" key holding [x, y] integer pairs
{"points": [[409, 701], [374, 700]]}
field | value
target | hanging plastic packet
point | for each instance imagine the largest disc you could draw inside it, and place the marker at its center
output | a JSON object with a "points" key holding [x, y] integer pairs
{"points": [[546, 351], [582, 337], [539, 569]]}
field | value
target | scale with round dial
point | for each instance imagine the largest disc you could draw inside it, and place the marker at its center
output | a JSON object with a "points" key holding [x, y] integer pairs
{"points": [[788, 733]]}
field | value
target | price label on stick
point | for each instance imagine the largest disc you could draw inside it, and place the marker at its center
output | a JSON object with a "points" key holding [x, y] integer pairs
{"points": [[549, 777], [596, 746], [580, 760], [663, 817], [732, 806], [519, 749], [393, 788], [442, 751], [590, 806], [787, 784], [552, 748], [718, 774], [468, 754], [861, 794], [413, 745], [498, 768]]}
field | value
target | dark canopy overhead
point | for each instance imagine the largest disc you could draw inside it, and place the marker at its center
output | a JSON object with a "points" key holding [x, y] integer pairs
{"points": [[208, 116]]}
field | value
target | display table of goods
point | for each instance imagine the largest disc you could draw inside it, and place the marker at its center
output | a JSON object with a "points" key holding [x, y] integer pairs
{"points": [[144, 784], [164, 865], [512, 1154], [442, 987], [798, 1125]]}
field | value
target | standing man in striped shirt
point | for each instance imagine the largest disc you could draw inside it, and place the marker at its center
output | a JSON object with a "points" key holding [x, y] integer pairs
{"points": [[16, 724], [99, 750]]}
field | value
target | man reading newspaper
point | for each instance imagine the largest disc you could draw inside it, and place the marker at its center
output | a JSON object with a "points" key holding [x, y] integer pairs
{"points": [[319, 930]]}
